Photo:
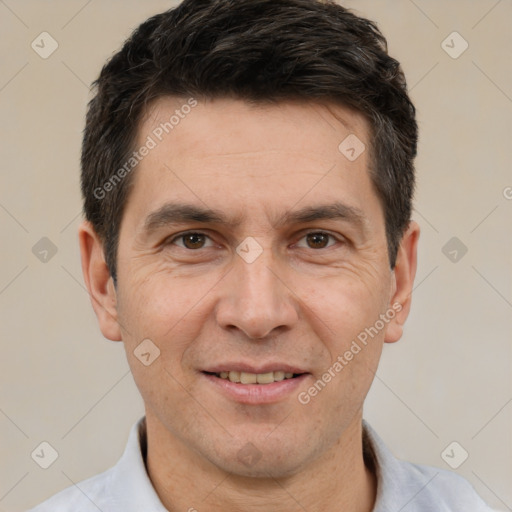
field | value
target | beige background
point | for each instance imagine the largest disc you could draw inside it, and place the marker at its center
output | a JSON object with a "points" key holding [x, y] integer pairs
{"points": [[447, 380]]}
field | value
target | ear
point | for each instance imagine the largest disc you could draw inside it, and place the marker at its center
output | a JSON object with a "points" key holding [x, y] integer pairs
{"points": [[403, 280], [99, 281]]}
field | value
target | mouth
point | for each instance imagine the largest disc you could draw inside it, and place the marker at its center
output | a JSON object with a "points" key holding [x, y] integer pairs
{"points": [[255, 378], [266, 386]]}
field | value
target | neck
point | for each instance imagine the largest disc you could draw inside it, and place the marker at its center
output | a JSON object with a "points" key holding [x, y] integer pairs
{"points": [[338, 480]]}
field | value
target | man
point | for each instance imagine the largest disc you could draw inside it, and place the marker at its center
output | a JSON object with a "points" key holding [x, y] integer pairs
{"points": [[247, 172]]}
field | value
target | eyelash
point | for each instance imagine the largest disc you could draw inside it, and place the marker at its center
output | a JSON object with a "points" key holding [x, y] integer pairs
{"points": [[181, 235]]}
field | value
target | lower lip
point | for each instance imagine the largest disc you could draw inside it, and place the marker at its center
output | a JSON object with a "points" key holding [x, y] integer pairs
{"points": [[257, 393]]}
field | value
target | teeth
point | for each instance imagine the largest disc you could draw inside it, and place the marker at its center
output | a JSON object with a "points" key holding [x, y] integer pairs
{"points": [[278, 376], [265, 378], [248, 378], [233, 376], [253, 378]]}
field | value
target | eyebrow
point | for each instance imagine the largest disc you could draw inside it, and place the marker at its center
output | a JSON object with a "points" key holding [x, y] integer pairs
{"points": [[334, 211], [179, 213]]}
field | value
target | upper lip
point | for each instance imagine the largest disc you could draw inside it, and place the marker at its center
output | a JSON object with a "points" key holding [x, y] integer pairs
{"points": [[250, 368]]}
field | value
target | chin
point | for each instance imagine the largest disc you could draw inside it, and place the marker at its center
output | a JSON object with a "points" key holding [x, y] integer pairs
{"points": [[272, 460], [264, 468]]}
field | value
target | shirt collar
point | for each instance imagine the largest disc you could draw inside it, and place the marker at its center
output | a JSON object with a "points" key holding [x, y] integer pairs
{"points": [[388, 470], [132, 489]]}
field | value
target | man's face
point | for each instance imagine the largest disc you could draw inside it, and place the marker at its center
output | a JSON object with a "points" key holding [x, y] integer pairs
{"points": [[210, 301]]}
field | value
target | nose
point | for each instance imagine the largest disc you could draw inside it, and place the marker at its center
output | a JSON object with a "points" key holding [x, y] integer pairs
{"points": [[256, 298]]}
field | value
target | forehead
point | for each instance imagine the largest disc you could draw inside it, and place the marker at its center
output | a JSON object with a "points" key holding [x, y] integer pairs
{"points": [[231, 155], [256, 126]]}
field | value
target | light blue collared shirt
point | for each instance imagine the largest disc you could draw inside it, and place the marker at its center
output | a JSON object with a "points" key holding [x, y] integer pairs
{"points": [[401, 486]]}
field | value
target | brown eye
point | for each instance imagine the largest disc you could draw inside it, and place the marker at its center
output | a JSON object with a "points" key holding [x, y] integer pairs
{"points": [[317, 240], [193, 240]]}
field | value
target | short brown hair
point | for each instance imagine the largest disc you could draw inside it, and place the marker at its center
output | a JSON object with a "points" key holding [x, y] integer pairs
{"points": [[258, 51]]}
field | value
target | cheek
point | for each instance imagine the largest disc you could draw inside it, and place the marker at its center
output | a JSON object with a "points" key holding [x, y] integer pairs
{"points": [[354, 347], [346, 305], [159, 324], [160, 304], [344, 312]]}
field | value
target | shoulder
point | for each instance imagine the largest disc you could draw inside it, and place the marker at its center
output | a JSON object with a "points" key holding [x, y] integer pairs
{"points": [[428, 486], [125, 487], [410, 487], [85, 496]]}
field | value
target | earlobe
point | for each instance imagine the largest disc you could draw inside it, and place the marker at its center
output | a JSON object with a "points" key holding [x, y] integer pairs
{"points": [[99, 281], [403, 276]]}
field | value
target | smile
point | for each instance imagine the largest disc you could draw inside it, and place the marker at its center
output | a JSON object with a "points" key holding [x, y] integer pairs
{"points": [[255, 378], [256, 388]]}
